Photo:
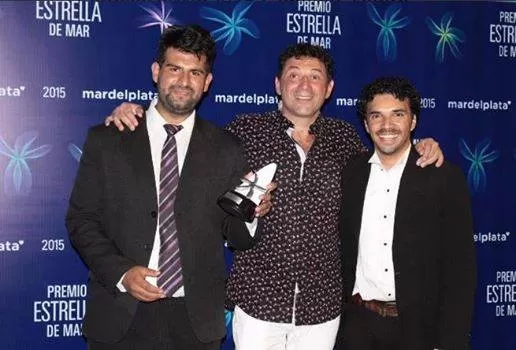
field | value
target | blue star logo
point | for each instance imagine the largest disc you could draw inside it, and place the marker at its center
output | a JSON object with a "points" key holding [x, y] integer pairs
{"points": [[232, 27], [75, 151], [386, 45], [17, 175], [448, 36], [228, 317], [477, 177], [158, 17]]}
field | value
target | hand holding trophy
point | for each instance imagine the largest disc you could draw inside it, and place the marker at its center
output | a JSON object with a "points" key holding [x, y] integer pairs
{"points": [[241, 201]]}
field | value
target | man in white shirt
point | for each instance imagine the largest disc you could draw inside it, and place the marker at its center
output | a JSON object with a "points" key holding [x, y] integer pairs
{"points": [[408, 255]]}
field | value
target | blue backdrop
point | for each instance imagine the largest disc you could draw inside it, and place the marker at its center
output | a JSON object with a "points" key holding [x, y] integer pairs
{"points": [[64, 65]]}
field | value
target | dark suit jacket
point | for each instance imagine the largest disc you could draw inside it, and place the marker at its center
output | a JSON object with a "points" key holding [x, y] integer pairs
{"points": [[112, 220], [433, 251]]}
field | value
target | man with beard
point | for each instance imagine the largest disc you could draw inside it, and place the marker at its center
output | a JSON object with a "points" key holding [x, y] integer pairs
{"points": [[287, 289], [143, 213], [407, 236]]}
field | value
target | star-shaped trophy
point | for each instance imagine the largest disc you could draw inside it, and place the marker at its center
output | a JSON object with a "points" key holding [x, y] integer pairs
{"points": [[243, 199]]}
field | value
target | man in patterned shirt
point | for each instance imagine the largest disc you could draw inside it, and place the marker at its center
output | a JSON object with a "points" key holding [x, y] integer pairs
{"points": [[287, 289]]}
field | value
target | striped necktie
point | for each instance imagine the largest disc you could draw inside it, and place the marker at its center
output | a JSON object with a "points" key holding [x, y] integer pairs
{"points": [[171, 278]]}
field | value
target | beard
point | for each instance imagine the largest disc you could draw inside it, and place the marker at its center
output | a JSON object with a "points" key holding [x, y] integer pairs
{"points": [[176, 106]]}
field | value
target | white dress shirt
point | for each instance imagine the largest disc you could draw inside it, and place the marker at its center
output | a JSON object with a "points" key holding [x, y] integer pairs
{"points": [[157, 138], [375, 268]]}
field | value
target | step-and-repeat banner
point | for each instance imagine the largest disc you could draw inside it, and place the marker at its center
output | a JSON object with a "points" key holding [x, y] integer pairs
{"points": [[64, 65]]}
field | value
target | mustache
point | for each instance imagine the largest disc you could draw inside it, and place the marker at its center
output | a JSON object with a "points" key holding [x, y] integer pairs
{"points": [[181, 88], [388, 131]]}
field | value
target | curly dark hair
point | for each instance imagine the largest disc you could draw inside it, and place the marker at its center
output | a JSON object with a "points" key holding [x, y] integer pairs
{"points": [[399, 87], [307, 50], [192, 39]]}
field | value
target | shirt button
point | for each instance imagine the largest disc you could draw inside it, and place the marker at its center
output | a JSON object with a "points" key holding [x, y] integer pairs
{"points": [[385, 216], [385, 244], [388, 190], [153, 214], [386, 270]]}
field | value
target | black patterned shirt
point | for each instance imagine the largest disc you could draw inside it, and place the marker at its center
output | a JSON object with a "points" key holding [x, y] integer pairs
{"points": [[299, 241]]}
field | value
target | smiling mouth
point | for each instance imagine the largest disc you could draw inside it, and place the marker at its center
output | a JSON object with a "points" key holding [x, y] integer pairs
{"points": [[388, 136]]}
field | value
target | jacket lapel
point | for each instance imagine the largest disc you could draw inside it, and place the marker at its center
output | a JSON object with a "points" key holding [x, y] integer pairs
{"points": [[356, 189], [411, 189], [141, 161], [195, 167], [410, 185]]}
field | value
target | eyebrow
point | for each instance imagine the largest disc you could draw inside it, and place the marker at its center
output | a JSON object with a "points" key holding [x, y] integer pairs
{"points": [[170, 64], [298, 67], [393, 111]]}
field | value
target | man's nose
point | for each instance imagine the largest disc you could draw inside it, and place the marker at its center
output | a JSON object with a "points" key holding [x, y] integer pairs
{"points": [[305, 82], [183, 79]]}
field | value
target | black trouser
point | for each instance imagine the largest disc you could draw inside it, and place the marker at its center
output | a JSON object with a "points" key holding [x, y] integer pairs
{"points": [[160, 325], [362, 329]]}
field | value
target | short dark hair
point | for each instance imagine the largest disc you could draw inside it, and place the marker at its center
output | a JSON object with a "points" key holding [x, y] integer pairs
{"points": [[192, 39], [399, 87], [306, 50]]}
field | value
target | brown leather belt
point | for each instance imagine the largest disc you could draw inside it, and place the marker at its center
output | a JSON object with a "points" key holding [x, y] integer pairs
{"points": [[382, 308]]}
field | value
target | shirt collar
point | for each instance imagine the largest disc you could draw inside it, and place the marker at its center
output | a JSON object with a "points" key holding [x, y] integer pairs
{"points": [[284, 124], [375, 159], [281, 121], [155, 121]]}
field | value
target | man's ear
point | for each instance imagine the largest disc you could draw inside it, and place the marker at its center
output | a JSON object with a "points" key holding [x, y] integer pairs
{"points": [[207, 82], [155, 71], [366, 127], [277, 85], [414, 122], [329, 89]]}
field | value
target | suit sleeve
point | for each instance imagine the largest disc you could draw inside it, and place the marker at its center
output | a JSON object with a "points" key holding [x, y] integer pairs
{"points": [[235, 231], [344, 235], [85, 216], [458, 266]]}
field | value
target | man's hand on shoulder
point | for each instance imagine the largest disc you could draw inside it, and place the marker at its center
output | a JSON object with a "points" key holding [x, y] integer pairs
{"points": [[135, 283], [126, 114], [429, 152]]}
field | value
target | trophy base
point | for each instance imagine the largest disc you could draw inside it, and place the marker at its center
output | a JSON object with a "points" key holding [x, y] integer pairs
{"points": [[237, 205]]}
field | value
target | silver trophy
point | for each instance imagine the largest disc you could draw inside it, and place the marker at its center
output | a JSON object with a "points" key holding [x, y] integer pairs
{"points": [[241, 201]]}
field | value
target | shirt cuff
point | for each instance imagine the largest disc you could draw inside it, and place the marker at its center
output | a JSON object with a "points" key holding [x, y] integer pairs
{"points": [[120, 286]]}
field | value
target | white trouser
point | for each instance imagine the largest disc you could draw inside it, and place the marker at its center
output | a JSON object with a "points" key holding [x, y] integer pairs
{"points": [[251, 333]]}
